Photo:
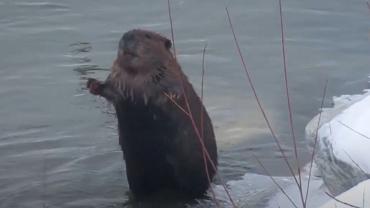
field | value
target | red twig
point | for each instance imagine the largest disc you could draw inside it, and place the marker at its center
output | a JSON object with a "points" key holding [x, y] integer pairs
{"points": [[202, 126], [202, 143], [275, 182], [202, 90], [172, 33], [174, 102], [190, 115], [353, 130], [315, 140], [205, 152], [258, 100], [340, 201], [289, 102], [354, 162]]}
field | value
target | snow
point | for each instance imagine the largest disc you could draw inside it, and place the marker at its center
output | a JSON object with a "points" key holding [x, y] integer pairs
{"points": [[357, 196], [348, 131]]}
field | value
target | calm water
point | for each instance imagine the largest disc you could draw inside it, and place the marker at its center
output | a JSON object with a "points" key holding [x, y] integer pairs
{"points": [[58, 144]]}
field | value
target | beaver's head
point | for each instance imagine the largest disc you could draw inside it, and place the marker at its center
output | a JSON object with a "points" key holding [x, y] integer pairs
{"points": [[139, 51], [145, 66]]}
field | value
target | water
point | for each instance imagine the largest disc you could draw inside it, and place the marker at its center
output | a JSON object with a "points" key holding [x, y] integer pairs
{"points": [[58, 144]]}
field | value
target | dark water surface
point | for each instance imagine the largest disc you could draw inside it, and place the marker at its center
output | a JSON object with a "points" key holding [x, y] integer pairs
{"points": [[58, 144]]}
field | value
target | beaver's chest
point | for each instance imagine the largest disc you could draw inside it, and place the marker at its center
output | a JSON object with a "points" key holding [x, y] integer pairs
{"points": [[145, 128]]}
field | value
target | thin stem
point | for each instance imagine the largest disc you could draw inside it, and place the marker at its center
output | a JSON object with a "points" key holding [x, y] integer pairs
{"points": [[258, 100], [202, 90], [340, 201], [202, 126], [288, 100], [190, 114], [315, 140], [363, 197], [202, 143], [353, 130], [174, 102], [172, 33], [275, 182], [356, 164]]}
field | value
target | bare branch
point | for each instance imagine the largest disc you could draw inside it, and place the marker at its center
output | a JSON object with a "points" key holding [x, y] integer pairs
{"points": [[315, 140], [340, 201]]}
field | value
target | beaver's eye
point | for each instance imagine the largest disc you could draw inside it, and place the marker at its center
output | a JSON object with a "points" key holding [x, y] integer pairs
{"points": [[167, 44]]}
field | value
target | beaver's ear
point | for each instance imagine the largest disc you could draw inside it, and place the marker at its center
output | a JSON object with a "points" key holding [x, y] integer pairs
{"points": [[167, 44]]}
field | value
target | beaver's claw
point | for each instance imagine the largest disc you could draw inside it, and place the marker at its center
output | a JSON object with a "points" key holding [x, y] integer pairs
{"points": [[94, 86]]}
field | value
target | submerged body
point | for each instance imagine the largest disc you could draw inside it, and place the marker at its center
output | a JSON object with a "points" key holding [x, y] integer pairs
{"points": [[165, 132]]}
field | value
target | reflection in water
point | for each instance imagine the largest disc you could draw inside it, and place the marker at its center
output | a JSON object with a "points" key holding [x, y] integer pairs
{"points": [[80, 47], [43, 5], [79, 54]]}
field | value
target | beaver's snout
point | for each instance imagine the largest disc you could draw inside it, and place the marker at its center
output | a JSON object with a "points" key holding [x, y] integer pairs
{"points": [[128, 36], [127, 42]]}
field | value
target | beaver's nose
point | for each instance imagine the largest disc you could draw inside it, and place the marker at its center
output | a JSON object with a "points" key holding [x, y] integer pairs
{"points": [[128, 36], [127, 41]]}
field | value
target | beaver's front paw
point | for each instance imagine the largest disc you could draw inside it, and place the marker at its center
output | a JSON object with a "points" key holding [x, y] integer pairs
{"points": [[94, 86]]}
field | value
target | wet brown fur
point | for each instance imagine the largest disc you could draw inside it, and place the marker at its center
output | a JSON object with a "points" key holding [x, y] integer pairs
{"points": [[160, 145]]}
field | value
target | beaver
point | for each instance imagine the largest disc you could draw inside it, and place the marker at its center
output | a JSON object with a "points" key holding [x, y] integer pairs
{"points": [[165, 133]]}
